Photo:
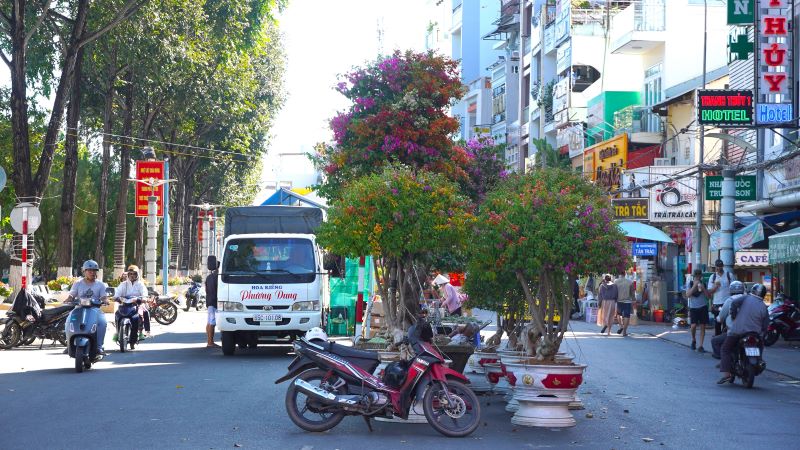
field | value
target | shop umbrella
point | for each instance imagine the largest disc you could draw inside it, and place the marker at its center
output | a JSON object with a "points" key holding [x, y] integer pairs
{"points": [[638, 230]]}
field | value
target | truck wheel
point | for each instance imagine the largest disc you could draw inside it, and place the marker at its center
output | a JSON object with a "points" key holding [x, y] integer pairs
{"points": [[228, 343]]}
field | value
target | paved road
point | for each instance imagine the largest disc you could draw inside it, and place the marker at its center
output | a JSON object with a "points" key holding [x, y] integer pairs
{"points": [[174, 393]]}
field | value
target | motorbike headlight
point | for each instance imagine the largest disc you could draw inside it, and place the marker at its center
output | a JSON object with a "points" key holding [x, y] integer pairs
{"points": [[232, 306], [86, 302], [306, 306]]}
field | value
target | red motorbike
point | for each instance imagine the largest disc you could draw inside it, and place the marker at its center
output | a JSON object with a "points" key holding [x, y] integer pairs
{"points": [[332, 381], [784, 320]]}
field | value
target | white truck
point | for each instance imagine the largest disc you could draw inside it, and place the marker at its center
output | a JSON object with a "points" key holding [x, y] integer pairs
{"points": [[271, 280]]}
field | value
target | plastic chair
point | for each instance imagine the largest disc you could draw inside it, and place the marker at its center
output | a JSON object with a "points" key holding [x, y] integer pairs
{"points": [[337, 313]]}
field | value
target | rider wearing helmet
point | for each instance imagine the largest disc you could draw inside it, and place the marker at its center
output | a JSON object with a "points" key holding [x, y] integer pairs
{"points": [[724, 317], [90, 286], [749, 316], [316, 333], [133, 287]]}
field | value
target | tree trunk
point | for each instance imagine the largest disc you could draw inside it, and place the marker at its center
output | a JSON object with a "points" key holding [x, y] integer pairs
{"points": [[108, 128], [188, 217], [66, 230], [177, 225], [125, 169], [138, 249], [21, 173]]}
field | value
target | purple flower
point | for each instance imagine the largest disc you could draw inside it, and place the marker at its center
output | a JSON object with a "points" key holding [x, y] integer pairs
{"points": [[394, 191]]}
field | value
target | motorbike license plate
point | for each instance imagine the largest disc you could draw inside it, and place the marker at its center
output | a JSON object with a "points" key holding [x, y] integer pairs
{"points": [[752, 351], [267, 317]]}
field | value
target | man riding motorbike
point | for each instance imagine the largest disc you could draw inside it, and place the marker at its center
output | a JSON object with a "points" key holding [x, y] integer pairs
{"points": [[749, 316], [724, 317], [133, 287], [90, 286]]}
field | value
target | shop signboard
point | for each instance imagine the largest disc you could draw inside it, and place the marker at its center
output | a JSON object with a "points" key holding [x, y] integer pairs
{"points": [[775, 71], [629, 209], [671, 200], [571, 137], [740, 12], [564, 56], [561, 95], [549, 39], [752, 258], [609, 160], [147, 170], [562, 24], [724, 107], [745, 187], [645, 249]]}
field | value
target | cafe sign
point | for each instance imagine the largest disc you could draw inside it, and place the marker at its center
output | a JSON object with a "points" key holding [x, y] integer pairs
{"points": [[609, 159], [752, 258]]}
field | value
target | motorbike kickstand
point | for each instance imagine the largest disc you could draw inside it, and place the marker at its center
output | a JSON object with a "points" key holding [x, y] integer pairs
{"points": [[369, 424]]}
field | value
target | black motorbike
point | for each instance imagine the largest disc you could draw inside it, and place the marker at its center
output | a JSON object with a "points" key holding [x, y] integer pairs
{"points": [[194, 297], [28, 320], [748, 361]]}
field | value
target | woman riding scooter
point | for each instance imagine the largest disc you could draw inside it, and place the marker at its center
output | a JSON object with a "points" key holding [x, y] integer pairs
{"points": [[133, 287]]}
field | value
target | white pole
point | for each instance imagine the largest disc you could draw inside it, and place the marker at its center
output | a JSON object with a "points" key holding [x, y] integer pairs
{"points": [[206, 239], [24, 253], [152, 238]]}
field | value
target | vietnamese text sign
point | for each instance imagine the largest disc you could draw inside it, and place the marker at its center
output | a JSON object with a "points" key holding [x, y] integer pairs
{"points": [[630, 208], [724, 107], [147, 170], [752, 258], [740, 12], [775, 68], [671, 200], [645, 249], [745, 187]]}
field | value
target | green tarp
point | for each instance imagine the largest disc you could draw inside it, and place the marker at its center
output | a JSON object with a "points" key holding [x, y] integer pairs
{"points": [[785, 247], [343, 296]]}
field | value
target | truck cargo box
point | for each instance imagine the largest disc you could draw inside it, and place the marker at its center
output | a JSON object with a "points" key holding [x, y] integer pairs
{"points": [[272, 219]]}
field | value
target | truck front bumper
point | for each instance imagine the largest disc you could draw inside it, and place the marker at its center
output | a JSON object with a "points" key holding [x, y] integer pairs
{"points": [[290, 321]]}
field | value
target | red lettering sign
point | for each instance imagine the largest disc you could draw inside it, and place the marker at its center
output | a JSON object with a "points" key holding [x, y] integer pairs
{"points": [[145, 171]]}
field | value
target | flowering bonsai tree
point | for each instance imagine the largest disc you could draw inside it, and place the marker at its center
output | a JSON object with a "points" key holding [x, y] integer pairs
{"points": [[541, 230], [399, 114], [398, 216]]}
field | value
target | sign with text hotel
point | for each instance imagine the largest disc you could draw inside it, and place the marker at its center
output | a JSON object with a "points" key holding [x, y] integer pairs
{"points": [[144, 171], [724, 108], [775, 71], [606, 161]]}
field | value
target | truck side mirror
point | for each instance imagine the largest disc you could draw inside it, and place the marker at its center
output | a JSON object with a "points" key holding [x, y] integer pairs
{"points": [[212, 262]]}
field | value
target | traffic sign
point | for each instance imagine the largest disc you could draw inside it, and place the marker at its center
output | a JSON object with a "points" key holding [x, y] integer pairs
{"points": [[34, 217], [745, 187]]}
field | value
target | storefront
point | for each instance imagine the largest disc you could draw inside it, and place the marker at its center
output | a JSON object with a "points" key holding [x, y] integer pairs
{"points": [[784, 257]]}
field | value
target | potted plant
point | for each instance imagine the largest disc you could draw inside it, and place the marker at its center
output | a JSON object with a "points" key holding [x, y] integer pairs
{"points": [[542, 230]]}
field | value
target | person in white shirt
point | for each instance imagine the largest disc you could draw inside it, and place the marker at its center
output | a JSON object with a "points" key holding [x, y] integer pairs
{"points": [[131, 288], [719, 286]]}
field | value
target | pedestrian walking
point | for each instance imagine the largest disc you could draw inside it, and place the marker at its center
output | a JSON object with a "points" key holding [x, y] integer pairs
{"points": [[698, 308], [608, 303], [451, 299], [211, 304], [625, 295], [719, 288]]}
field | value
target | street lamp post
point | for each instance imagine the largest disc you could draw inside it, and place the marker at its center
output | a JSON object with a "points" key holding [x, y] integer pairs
{"points": [[151, 247]]}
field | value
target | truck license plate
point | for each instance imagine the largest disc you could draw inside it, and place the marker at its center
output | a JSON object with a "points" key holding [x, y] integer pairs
{"points": [[752, 351], [267, 317]]}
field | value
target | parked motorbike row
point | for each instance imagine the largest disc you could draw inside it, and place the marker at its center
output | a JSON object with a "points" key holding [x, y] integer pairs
{"points": [[784, 320], [194, 297]]}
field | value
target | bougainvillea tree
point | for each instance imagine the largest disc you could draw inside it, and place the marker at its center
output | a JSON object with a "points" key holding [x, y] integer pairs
{"points": [[542, 230], [398, 216], [398, 114]]}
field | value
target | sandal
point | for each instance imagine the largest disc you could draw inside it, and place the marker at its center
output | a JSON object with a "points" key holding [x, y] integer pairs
{"points": [[726, 379], [212, 346]]}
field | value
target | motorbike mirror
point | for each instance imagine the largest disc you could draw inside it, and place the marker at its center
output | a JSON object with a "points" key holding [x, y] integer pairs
{"points": [[212, 262]]}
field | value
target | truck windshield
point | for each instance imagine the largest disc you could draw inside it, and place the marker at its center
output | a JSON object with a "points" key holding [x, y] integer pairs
{"points": [[272, 260]]}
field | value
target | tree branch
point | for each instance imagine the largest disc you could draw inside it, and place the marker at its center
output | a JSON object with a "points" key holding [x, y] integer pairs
{"points": [[56, 15], [38, 23], [6, 20], [5, 59], [130, 8]]}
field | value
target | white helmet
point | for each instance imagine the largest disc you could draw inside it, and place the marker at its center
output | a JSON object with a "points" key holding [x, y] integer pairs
{"points": [[316, 333]]}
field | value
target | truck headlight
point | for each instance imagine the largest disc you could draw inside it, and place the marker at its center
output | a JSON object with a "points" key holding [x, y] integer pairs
{"points": [[306, 306], [232, 306]]}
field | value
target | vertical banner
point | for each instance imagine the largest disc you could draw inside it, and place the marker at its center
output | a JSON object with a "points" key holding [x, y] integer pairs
{"points": [[775, 70], [145, 171]]}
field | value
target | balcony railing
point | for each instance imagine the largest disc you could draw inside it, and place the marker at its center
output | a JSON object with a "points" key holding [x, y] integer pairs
{"points": [[637, 119], [640, 15]]}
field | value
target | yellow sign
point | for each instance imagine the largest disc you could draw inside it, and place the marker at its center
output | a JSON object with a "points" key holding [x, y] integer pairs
{"points": [[606, 161]]}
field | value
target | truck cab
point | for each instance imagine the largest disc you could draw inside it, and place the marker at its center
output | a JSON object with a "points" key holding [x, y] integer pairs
{"points": [[271, 285]]}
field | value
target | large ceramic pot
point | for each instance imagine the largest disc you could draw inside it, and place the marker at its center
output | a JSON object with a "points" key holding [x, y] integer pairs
{"points": [[476, 374], [544, 393], [509, 357]]}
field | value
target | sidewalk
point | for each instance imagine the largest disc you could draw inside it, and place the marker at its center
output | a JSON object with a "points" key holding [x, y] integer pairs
{"points": [[782, 358]]}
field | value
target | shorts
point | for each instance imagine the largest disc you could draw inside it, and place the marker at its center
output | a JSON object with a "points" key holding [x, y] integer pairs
{"points": [[624, 309], [698, 315], [212, 315]]}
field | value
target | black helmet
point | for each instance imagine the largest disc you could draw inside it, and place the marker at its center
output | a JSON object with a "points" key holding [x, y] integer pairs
{"points": [[759, 290], [395, 373]]}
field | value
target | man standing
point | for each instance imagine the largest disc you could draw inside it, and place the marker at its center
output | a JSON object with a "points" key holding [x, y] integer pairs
{"points": [[625, 293], [211, 305], [751, 317], [698, 308], [719, 287], [89, 286]]}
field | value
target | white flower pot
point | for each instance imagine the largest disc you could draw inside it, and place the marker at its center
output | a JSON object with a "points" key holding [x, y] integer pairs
{"points": [[508, 357], [544, 393], [476, 375]]}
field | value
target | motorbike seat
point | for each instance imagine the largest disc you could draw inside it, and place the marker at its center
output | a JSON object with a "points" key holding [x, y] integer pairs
{"points": [[367, 360], [50, 313]]}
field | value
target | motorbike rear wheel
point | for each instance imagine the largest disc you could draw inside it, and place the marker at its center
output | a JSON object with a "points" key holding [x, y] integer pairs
{"points": [[299, 406], [165, 313], [458, 419], [749, 376], [11, 335], [772, 337], [79, 357]]}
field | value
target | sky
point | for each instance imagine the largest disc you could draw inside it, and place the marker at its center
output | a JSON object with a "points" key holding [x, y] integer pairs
{"points": [[325, 38]]}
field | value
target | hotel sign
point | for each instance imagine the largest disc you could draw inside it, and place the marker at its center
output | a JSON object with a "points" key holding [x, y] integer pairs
{"points": [[775, 69], [722, 107]]}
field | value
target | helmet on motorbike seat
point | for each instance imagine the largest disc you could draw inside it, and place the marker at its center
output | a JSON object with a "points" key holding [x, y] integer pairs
{"points": [[90, 264], [395, 373], [316, 333], [759, 290], [736, 288]]}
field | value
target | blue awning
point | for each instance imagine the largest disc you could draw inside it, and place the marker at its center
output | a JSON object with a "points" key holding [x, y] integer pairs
{"points": [[769, 219], [638, 230]]}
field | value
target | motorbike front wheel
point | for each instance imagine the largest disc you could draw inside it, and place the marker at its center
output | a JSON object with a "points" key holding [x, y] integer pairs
{"points": [[165, 313], [79, 357], [308, 413], [772, 337], [457, 417], [123, 335], [11, 335]]}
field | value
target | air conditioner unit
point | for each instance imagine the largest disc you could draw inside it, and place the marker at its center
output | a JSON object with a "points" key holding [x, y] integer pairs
{"points": [[662, 162], [515, 55]]}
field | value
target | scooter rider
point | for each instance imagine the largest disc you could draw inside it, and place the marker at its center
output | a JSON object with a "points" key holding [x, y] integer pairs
{"points": [[736, 290], [749, 316], [132, 287], [90, 286]]}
